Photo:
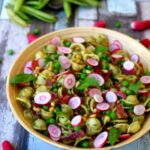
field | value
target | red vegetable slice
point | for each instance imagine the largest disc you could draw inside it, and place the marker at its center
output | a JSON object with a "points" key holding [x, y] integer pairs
{"points": [[55, 41], [94, 91], [120, 111], [125, 136], [115, 46], [98, 98], [92, 62], [78, 40], [64, 99], [62, 73], [76, 120], [111, 97], [139, 109], [145, 92], [27, 70], [98, 77], [69, 81], [128, 67], [117, 43], [135, 58], [121, 94], [65, 62], [102, 106], [100, 23], [74, 102], [145, 80], [145, 42], [42, 98], [31, 37], [64, 50], [54, 131], [6, 145], [100, 140]]}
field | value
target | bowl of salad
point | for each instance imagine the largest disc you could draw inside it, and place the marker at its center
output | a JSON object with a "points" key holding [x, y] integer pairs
{"points": [[82, 88]]}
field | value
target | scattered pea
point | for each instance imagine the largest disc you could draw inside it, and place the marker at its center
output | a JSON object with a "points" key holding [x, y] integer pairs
{"points": [[123, 89], [56, 71], [46, 108], [108, 59], [57, 109], [118, 24], [125, 83], [57, 65], [89, 67], [83, 75], [84, 70], [10, 52], [103, 56], [128, 92], [54, 85], [55, 89], [77, 128], [50, 121], [105, 66], [36, 31], [84, 144], [68, 126], [67, 43]]}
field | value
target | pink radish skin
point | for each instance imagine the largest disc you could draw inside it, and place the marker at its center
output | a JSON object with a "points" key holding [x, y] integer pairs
{"points": [[111, 97], [76, 120], [143, 92], [54, 131], [128, 67], [42, 98], [64, 50], [94, 91], [55, 138], [74, 102], [121, 94], [92, 62], [139, 109], [98, 98], [69, 81], [145, 80], [101, 139], [55, 41], [98, 77], [125, 136], [78, 40], [135, 58], [65, 62], [102, 106], [62, 73], [115, 46], [27, 70], [117, 43]]}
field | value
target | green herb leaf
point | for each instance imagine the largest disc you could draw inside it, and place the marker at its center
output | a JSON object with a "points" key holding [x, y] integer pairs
{"points": [[22, 78], [89, 81], [135, 87], [101, 48], [113, 135], [147, 73]]}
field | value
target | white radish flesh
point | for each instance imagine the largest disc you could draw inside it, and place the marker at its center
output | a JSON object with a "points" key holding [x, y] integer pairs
{"points": [[54, 131], [117, 56], [76, 120], [94, 91], [111, 97], [27, 70], [69, 81], [74, 102], [145, 80], [102, 106], [98, 98], [135, 58], [55, 138], [65, 62], [55, 41], [92, 62], [78, 40], [64, 50], [128, 65], [139, 109]]}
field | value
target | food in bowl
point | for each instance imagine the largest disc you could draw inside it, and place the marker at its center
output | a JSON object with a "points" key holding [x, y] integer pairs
{"points": [[84, 91]]}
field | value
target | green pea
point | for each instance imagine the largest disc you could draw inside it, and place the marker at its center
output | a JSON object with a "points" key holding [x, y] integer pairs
{"points": [[104, 56], [57, 109], [108, 59], [55, 89], [118, 24], [148, 105], [46, 108], [10, 52], [130, 110], [89, 67], [84, 144], [36, 31], [83, 75], [68, 126], [46, 133], [105, 66], [54, 85], [57, 65], [77, 128], [125, 83], [67, 43], [128, 92], [50, 121], [84, 70]]}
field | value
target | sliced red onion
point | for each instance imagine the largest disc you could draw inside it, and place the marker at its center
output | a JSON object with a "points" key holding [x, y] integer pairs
{"points": [[135, 58], [65, 62], [74, 102], [54, 131], [94, 91]]}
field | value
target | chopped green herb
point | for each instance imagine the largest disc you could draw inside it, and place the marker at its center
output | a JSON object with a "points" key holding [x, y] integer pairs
{"points": [[148, 105], [84, 144], [50, 121], [10, 52], [118, 24], [67, 43], [77, 128], [46, 108], [135, 87], [101, 48]]}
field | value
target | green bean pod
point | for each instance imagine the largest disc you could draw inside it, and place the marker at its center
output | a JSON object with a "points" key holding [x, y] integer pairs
{"points": [[67, 9], [18, 4]]}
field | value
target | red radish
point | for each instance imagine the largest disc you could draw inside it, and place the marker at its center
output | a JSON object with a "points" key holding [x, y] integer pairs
{"points": [[65, 62], [54, 131], [121, 94], [98, 98], [128, 67], [115, 46], [101, 139], [102, 106], [55, 41], [116, 57], [111, 97], [69, 81], [140, 25], [98, 77], [92, 62], [100, 23], [31, 37], [27, 70], [145, 80], [145, 42], [135, 58], [64, 50], [74, 102], [55, 138], [94, 91], [125, 136], [139, 109], [145, 92], [6, 145], [42, 98], [78, 40], [76, 120]]}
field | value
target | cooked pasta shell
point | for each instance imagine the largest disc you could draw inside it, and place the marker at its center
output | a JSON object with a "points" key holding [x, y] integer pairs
{"points": [[26, 92], [105, 119], [25, 102], [39, 124], [134, 127], [42, 88], [102, 39], [50, 48], [40, 80], [115, 69], [77, 47], [140, 119], [123, 127], [40, 54], [46, 114], [131, 100]]}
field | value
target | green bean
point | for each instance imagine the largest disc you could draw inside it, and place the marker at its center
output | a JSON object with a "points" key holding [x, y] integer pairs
{"points": [[18, 4], [38, 14], [67, 8], [14, 17]]}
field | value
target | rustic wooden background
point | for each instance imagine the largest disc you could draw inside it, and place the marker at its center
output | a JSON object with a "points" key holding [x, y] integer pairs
{"points": [[14, 37]]}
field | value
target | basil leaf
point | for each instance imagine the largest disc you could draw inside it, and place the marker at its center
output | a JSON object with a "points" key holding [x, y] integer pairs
{"points": [[135, 87], [89, 81], [22, 78], [101, 48], [113, 135]]}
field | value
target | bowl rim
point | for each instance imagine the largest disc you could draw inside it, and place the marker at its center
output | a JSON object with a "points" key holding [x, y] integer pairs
{"points": [[59, 144]]}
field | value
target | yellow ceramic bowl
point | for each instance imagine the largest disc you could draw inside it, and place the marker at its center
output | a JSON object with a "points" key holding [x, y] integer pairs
{"points": [[128, 43]]}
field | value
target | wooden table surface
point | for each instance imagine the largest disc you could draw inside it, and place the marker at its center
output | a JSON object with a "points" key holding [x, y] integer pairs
{"points": [[14, 37]]}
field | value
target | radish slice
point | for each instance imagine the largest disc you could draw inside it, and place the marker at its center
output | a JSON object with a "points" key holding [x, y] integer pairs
{"points": [[94, 91], [78, 40], [92, 62], [98, 77], [55, 138], [128, 66], [111, 97], [98, 98], [102, 106], [115, 46], [42, 98], [65, 62], [27, 70], [121, 94], [135, 58], [117, 43], [76, 120], [139, 109], [54, 131], [117, 56], [74, 102], [143, 91], [62, 73], [69, 81], [125, 136], [64, 50], [100, 140], [55, 41], [145, 80]]}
